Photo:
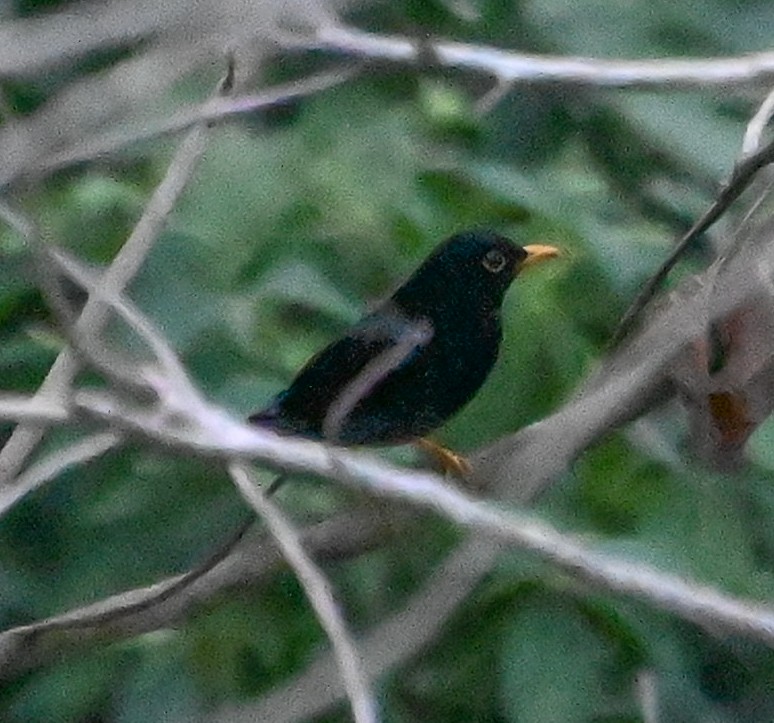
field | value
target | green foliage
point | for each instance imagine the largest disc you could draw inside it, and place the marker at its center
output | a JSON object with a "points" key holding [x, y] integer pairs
{"points": [[557, 666], [290, 228]]}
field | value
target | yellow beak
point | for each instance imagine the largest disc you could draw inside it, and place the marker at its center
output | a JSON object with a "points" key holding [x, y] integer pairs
{"points": [[537, 253]]}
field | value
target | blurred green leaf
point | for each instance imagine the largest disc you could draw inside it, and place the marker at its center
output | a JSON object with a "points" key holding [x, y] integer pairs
{"points": [[555, 666]]}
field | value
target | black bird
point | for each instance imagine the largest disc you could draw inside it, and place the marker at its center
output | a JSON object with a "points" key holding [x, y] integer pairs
{"points": [[408, 366]]}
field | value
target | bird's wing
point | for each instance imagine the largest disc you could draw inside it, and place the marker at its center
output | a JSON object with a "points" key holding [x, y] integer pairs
{"points": [[332, 383], [385, 344]]}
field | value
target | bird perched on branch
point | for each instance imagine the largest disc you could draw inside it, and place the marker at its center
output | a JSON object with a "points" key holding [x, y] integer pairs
{"points": [[408, 366]]}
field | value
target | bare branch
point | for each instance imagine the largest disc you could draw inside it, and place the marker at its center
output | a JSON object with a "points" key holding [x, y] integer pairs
{"points": [[215, 109], [54, 464], [209, 430], [94, 315], [182, 419], [509, 67], [22, 408], [66, 34], [163, 604], [752, 136], [701, 605], [317, 590], [133, 603], [156, 47], [231, 437], [28, 46], [646, 692]]}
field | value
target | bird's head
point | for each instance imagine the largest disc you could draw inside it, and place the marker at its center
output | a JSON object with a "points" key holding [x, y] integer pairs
{"points": [[471, 269]]}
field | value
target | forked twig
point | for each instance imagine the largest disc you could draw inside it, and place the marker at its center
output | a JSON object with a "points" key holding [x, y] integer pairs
{"points": [[94, 314]]}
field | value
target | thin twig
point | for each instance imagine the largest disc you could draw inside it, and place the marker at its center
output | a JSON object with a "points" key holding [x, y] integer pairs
{"points": [[158, 594], [741, 177], [54, 464], [138, 322], [317, 590], [165, 603], [215, 109], [404, 338], [88, 349]]}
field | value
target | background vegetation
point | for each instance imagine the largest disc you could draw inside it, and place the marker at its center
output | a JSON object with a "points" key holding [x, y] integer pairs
{"points": [[296, 218]]}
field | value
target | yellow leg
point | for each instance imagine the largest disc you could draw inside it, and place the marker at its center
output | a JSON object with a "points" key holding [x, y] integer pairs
{"points": [[447, 460]]}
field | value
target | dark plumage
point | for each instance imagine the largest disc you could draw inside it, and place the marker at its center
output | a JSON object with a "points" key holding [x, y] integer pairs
{"points": [[407, 367]]}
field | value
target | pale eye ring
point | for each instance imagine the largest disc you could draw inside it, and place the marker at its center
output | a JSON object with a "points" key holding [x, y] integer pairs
{"points": [[494, 261]]}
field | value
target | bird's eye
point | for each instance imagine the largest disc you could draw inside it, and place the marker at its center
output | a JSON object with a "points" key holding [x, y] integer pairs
{"points": [[494, 261]]}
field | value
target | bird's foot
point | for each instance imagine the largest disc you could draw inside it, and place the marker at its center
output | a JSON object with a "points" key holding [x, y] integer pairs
{"points": [[448, 461]]}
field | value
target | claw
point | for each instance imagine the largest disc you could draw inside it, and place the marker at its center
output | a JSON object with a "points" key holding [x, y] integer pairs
{"points": [[448, 461]]}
